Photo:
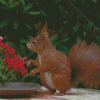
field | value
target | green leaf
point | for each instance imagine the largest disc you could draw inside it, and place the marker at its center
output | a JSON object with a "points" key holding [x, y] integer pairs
{"points": [[97, 28], [28, 26], [3, 24], [6, 69], [64, 22], [30, 54], [98, 15], [84, 33], [11, 4], [15, 24], [65, 35], [57, 1], [12, 78], [4, 77], [36, 13], [38, 33], [63, 49], [76, 27], [53, 40], [2, 60], [22, 50], [50, 9], [61, 9], [65, 40], [95, 1], [12, 45], [4, 8], [11, 72], [60, 42], [23, 41], [22, 2], [44, 14], [0, 74], [82, 2], [60, 30], [69, 14], [88, 5], [2, 64], [89, 25], [28, 6], [79, 16], [25, 76], [98, 38], [78, 39], [38, 76], [14, 5], [1, 48], [30, 37], [4, 2]]}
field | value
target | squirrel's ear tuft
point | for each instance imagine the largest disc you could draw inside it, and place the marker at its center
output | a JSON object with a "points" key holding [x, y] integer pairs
{"points": [[44, 29], [45, 35]]}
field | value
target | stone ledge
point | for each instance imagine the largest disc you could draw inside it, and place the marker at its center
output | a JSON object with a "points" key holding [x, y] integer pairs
{"points": [[76, 94]]}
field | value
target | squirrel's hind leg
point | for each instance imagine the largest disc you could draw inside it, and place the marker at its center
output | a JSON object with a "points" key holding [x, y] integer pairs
{"points": [[61, 83], [60, 94], [46, 92]]}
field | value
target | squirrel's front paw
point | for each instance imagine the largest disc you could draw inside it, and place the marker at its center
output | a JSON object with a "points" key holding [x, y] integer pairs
{"points": [[34, 71], [29, 62]]}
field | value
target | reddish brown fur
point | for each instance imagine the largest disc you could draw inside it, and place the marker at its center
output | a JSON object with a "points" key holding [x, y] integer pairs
{"points": [[57, 66], [87, 60]]}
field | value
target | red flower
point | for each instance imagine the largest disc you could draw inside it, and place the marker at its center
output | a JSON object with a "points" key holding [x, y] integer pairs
{"points": [[23, 72], [4, 45], [18, 55], [9, 50], [15, 58], [8, 65], [1, 38], [20, 61], [12, 60], [25, 57], [15, 69], [12, 51], [15, 65], [1, 44], [21, 67]]}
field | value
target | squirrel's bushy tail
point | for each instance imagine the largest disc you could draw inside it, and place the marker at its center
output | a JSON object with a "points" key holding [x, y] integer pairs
{"points": [[85, 61]]}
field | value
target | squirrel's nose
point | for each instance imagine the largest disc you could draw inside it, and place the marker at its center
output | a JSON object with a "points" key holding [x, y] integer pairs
{"points": [[28, 45]]}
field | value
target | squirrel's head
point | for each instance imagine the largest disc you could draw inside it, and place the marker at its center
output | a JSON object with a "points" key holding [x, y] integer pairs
{"points": [[39, 43]]}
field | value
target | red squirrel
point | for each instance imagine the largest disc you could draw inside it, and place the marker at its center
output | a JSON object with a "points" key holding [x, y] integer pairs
{"points": [[55, 67]]}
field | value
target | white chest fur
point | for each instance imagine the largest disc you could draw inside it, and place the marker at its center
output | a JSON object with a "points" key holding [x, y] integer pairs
{"points": [[39, 57], [47, 75]]}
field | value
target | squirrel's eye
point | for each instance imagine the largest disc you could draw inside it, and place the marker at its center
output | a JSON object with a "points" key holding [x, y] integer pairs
{"points": [[34, 42]]}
